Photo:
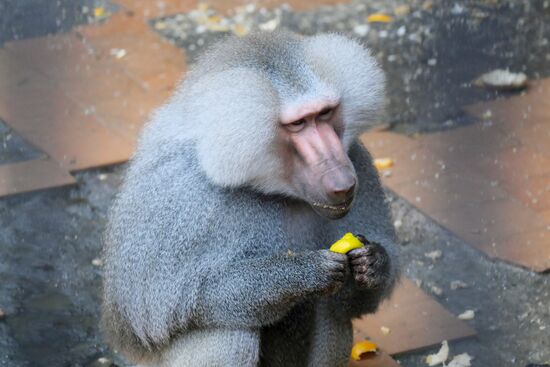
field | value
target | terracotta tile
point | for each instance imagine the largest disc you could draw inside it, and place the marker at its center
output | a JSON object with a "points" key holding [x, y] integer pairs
{"points": [[414, 165], [118, 23], [415, 320], [81, 76], [95, 85], [523, 170], [479, 138], [512, 164], [530, 249], [544, 215], [533, 192], [528, 123], [33, 175], [449, 190], [127, 112], [149, 60], [98, 85], [411, 161], [164, 83], [102, 43], [63, 58], [461, 157], [85, 146], [41, 113], [155, 64], [12, 71], [91, 73], [57, 56], [387, 144], [30, 98], [426, 199], [467, 155], [78, 103], [526, 117], [506, 113], [537, 136], [80, 142], [483, 224], [73, 66]]}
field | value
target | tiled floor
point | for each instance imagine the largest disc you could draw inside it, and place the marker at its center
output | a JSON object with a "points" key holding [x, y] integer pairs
{"points": [[77, 99], [32, 175], [408, 318], [71, 97], [488, 182]]}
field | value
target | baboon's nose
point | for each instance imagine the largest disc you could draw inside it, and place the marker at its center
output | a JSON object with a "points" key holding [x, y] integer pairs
{"points": [[339, 187]]}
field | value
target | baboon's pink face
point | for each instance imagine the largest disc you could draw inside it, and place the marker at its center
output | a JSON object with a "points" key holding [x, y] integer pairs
{"points": [[316, 163]]}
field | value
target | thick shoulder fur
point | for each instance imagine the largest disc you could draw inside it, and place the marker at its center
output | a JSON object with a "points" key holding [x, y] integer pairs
{"points": [[169, 229]]}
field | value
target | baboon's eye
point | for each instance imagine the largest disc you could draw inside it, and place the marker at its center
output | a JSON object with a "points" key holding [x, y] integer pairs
{"points": [[296, 125], [325, 114]]}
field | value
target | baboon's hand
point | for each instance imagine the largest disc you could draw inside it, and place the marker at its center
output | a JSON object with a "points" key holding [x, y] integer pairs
{"points": [[332, 269], [370, 264]]}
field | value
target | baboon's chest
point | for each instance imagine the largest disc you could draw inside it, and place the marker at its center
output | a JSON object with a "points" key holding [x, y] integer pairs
{"points": [[305, 229]]}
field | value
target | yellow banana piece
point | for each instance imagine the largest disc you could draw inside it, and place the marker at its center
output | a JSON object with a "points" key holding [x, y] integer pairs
{"points": [[345, 244], [383, 163], [361, 349]]}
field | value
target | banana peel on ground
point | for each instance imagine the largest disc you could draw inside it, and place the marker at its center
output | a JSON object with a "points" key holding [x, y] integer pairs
{"points": [[363, 350]]}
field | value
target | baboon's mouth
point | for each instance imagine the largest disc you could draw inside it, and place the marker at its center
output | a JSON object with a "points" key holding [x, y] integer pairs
{"points": [[332, 211]]}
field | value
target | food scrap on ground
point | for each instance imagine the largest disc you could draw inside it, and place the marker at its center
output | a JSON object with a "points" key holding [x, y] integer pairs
{"points": [[362, 349], [102, 362], [398, 223], [99, 12], [467, 315], [502, 79], [439, 357], [402, 10], [433, 255], [97, 262], [385, 330], [379, 18], [461, 360], [436, 290], [458, 284], [383, 163], [361, 30], [240, 30], [118, 53]]}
